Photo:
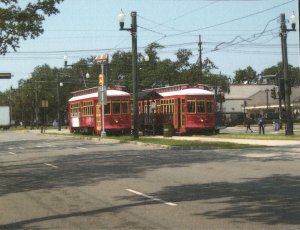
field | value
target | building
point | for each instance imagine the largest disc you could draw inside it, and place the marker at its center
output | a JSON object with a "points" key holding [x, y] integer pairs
{"points": [[254, 99]]}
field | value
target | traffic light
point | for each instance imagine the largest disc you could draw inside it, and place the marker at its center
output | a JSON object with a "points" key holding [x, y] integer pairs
{"points": [[5, 75], [273, 93], [101, 79]]}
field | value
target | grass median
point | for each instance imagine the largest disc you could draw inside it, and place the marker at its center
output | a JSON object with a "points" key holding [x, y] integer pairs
{"points": [[185, 144], [256, 136]]}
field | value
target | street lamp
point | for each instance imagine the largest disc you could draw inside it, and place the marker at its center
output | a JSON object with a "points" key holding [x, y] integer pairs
{"points": [[66, 60], [133, 30], [87, 75], [287, 86], [58, 85]]}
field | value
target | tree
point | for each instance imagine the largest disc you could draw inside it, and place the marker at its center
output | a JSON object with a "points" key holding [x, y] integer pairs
{"points": [[121, 69], [151, 51], [208, 66], [293, 73], [245, 75], [26, 22], [183, 56]]}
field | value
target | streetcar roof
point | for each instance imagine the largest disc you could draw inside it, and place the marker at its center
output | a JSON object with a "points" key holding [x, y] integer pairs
{"points": [[110, 93], [188, 92]]}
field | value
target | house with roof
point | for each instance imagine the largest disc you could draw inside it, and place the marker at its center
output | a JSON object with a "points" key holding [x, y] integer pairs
{"points": [[254, 99], [238, 97], [260, 101]]}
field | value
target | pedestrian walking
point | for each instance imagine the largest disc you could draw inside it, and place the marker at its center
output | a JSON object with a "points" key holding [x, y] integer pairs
{"points": [[261, 125], [248, 125]]}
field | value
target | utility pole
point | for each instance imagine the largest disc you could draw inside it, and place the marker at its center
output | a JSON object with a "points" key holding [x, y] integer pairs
{"points": [[58, 102], [36, 105], [200, 59], [134, 75], [133, 30], [278, 78], [287, 87]]}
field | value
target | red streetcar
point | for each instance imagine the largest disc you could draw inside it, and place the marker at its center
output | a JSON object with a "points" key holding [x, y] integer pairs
{"points": [[187, 109], [85, 112]]}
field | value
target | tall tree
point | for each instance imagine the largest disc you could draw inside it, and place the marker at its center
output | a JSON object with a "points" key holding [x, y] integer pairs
{"points": [[293, 73], [17, 22], [120, 68], [245, 75], [183, 57], [152, 51]]}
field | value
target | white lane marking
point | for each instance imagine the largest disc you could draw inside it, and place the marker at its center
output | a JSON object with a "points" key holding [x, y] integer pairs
{"points": [[150, 197], [261, 155], [81, 148], [12, 153], [10, 148], [51, 165], [21, 148]]}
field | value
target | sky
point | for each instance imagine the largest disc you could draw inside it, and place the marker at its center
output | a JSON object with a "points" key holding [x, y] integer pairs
{"points": [[234, 33]]}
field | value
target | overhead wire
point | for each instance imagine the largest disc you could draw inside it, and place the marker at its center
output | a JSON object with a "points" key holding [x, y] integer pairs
{"points": [[252, 38], [231, 43], [231, 20], [175, 18]]}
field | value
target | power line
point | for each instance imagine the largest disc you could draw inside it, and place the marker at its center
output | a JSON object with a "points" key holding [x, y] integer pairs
{"points": [[252, 38], [176, 18], [232, 20]]}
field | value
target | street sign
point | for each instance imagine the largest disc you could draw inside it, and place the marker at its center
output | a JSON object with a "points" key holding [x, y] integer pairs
{"points": [[5, 75], [102, 58], [102, 95], [45, 104]]}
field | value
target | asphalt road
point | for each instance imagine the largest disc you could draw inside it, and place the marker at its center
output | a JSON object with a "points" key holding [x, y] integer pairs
{"points": [[64, 183]]}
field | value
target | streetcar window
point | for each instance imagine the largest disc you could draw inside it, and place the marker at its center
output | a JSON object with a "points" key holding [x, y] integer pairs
{"points": [[87, 109], [107, 108], [172, 106], [209, 107], [75, 110], [124, 107], [200, 107], [191, 106], [116, 107]]}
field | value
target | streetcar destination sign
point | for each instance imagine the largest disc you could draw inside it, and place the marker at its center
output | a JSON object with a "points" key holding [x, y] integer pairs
{"points": [[5, 75]]}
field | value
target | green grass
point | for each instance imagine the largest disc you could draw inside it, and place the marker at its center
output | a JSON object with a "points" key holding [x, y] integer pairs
{"points": [[256, 136], [196, 144], [186, 143]]}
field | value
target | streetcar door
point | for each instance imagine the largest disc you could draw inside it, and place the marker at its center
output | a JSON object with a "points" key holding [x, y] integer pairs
{"points": [[177, 122], [181, 113]]}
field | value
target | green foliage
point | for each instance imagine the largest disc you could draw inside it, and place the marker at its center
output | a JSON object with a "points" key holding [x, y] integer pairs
{"points": [[186, 144], [120, 69], [17, 22], [152, 51], [293, 74], [242, 75], [43, 83], [183, 56]]}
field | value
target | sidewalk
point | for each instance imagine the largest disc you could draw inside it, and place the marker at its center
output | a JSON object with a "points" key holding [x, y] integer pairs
{"points": [[51, 130]]}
